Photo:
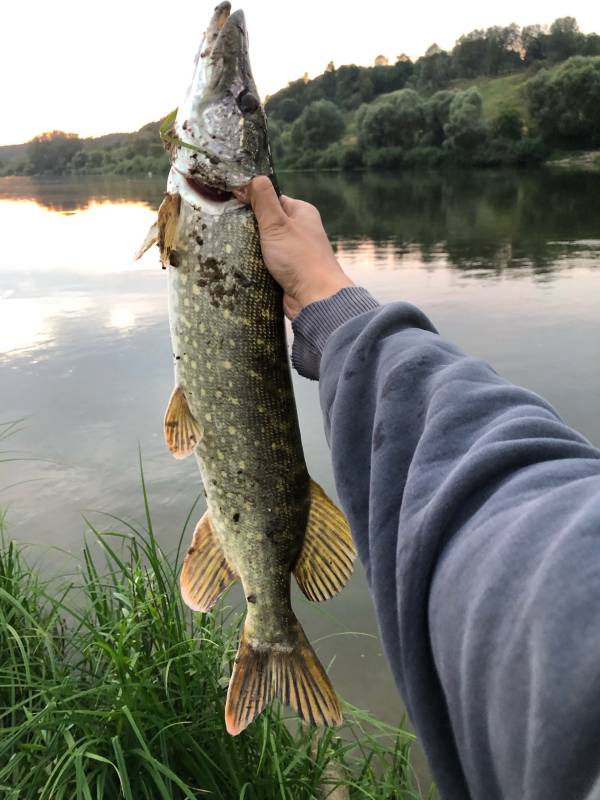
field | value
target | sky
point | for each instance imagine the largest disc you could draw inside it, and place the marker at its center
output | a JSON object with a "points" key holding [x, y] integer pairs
{"points": [[94, 68]]}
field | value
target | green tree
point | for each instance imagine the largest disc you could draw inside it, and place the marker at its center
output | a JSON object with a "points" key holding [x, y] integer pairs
{"points": [[469, 54], [399, 122], [503, 50], [79, 162], [565, 39], [534, 41], [320, 124], [592, 45], [96, 159], [390, 78], [289, 109], [437, 114], [465, 130], [51, 152], [565, 103], [494, 51], [434, 70]]}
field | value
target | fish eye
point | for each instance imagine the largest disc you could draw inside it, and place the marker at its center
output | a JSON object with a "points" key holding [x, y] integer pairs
{"points": [[247, 102]]}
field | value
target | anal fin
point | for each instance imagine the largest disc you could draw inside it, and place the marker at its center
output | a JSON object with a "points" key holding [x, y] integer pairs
{"points": [[182, 432], [327, 557], [294, 675], [205, 573]]}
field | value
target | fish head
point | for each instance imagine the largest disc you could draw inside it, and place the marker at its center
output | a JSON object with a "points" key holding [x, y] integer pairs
{"points": [[219, 141]]}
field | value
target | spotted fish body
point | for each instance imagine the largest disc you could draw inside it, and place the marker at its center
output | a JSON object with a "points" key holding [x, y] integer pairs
{"points": [[233, 404], [231, 362]]}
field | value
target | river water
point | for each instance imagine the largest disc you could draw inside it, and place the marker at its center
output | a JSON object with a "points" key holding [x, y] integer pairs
{"points": [[505, 264]]}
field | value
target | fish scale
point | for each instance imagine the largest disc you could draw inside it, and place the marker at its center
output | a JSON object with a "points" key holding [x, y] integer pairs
{"points": [[233, 405]]}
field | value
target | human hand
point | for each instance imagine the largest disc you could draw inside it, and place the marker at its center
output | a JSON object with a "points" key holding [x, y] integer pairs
{"points": [[295, 247]]}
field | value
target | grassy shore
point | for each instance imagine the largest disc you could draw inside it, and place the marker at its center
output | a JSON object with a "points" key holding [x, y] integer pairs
{"points": [[110, 688]]}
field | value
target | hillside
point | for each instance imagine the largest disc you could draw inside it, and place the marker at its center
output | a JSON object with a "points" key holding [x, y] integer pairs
{"points": [[498, 93]]}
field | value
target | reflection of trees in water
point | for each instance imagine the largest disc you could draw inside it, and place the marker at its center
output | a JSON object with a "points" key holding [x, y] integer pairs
{"points": [[66, 194], [484, 220]]}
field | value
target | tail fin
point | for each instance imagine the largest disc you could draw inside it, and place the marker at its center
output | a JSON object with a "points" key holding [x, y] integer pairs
{"points": [[293, 675]]}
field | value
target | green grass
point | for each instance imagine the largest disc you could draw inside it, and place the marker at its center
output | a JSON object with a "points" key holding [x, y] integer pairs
{"points": [[110, 688], [498, 93]]}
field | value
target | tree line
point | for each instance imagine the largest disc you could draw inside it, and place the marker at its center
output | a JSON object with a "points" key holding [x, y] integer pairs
{"points": [[60, 153], [425, 119], [405, 114], [448, 126], [492, 52]]}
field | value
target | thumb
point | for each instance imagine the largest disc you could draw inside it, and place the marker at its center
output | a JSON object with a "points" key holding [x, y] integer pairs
{"points": [[265, 203]]}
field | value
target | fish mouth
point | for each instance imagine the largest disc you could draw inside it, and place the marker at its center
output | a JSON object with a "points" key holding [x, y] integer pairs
{"points": [[207, 192], [220, 16]]}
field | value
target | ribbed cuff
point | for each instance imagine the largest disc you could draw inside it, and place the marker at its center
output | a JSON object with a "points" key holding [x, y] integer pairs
{"points": [[317, 321]]}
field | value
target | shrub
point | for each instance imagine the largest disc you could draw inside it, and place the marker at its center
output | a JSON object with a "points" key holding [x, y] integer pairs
{"points": [[465, 130], [329, 158], [509, 125]]}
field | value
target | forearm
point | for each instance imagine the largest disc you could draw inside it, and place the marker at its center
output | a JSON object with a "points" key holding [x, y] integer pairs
{"points": [[472, 504]]}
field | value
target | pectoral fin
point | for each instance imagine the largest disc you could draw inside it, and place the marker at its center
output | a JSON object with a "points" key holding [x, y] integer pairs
{"points": [[182, 432], [151, 238], [205, 573], [164, 230], [328, 553], [168, 219]]}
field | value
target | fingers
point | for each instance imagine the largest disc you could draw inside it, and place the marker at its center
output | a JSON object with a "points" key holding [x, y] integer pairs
{"points": [[265, 203], [297, 208], [291, 307], [287, 204]]}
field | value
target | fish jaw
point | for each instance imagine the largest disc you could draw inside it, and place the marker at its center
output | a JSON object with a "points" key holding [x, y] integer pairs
{"points": [[221, 140]]}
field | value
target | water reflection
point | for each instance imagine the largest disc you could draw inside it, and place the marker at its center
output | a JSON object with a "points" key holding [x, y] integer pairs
{"points": [[66, 194], [480, 221], [27, 323]]}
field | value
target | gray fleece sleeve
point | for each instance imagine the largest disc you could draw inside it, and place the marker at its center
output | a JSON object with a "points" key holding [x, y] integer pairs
{"points": [[476, 513]]}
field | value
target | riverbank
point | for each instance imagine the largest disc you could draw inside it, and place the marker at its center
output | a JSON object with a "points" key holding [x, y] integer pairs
{"points": [[110, 688], [585, 159]]}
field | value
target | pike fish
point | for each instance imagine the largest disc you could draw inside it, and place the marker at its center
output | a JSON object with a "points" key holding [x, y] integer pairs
{"points": [[233, 405]]}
